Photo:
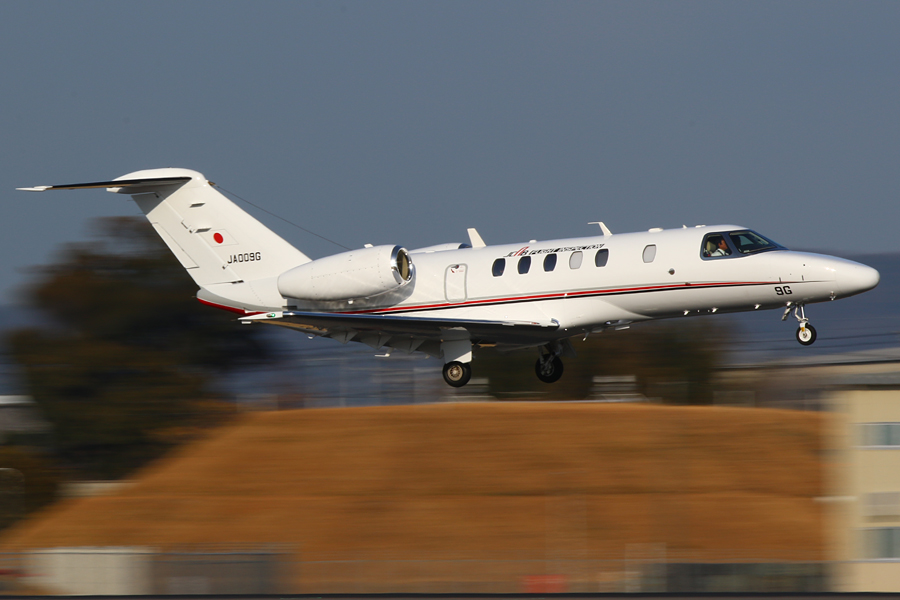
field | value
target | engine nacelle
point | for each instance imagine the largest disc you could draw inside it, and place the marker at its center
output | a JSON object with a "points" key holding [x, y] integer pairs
{"points": [[355, 274]]}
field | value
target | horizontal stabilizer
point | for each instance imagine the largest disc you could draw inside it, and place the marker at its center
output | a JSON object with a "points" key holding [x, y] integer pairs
{"points": [[122, 183]]}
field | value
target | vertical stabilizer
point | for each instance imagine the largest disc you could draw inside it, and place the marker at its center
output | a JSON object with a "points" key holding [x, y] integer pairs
{"points": [[228, 253], [215, 240]]}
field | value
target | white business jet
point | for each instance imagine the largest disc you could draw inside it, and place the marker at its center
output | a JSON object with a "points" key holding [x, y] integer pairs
{"points": [[446, 299]]}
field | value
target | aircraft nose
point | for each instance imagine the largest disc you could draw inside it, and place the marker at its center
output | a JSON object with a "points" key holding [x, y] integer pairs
{"points": [[855, 278]]}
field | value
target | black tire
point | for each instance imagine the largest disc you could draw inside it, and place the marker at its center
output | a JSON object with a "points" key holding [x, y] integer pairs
{"points": [[551, 372], [809, 337], [457, 374]]}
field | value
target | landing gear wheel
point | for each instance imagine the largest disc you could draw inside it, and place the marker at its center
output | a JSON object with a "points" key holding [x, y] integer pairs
{"points": [[457, 374], [806, 335], [549, 371]]}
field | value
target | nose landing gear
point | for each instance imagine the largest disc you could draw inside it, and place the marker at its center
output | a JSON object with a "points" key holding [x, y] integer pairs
{"points": [[806, 333]]}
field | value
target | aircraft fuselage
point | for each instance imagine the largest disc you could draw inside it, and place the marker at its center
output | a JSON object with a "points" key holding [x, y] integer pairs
{"points": [[571, 290]]}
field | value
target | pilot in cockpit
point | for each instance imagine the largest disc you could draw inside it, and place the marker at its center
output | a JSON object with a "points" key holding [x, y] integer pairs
{"points": [[717, 246]]}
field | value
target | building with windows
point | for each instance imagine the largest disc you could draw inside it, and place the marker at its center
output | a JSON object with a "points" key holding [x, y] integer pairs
{"points": [[861, 389], [870, 405]]}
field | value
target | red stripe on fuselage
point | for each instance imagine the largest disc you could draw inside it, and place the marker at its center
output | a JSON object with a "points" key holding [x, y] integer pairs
{"points": [[517, 299], [553, 296]]}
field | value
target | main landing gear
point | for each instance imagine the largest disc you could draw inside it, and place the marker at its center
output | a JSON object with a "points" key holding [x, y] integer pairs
{"points": [[549, 367], [457, 373], [806, 333]]}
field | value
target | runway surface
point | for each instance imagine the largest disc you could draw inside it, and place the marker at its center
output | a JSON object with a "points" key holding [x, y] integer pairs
{"points": [[767, 596]]}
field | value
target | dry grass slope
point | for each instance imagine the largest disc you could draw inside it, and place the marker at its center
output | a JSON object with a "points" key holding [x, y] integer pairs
{"points": [[519, 480]]}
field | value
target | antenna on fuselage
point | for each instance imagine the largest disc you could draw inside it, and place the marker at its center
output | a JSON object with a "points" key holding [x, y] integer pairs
{"points": [[603, 227]]}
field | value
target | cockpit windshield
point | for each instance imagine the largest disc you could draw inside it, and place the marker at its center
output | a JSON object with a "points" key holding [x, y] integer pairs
{"points": [[750, 242], [735, 243]]}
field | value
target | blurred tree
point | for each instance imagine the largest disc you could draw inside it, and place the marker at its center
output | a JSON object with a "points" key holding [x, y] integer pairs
{"points": [[675, 362], [28, 481], [123, 366]]}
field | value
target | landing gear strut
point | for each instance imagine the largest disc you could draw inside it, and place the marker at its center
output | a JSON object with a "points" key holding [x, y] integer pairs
{"points": [[457, 374], [549, 367], [806, 333]]}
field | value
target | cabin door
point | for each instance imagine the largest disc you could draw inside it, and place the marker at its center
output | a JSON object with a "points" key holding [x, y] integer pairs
{"points": [[455, 283]]}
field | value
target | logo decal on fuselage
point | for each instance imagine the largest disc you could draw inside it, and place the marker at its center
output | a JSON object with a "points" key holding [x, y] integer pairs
{"points": [[524, 251]]}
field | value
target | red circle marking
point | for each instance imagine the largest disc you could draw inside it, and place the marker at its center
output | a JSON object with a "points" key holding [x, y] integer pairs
{"points": [[218, 237]]}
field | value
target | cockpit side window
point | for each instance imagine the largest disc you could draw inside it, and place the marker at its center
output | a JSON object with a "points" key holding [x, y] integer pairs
{"points": [[714, 246], [750, 242], [736, 243]]}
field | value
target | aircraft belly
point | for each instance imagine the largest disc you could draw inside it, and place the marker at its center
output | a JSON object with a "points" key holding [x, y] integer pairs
{"points": [[707, 296], [579, 314]]}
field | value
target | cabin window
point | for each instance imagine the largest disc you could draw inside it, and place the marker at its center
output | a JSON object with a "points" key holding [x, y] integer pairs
{"points": [[498, 267], [575, 260], [524, 264], [649, 253], [549, 262], [601, 258]]}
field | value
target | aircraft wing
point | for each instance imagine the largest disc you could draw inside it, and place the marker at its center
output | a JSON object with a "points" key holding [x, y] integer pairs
{"points": [[390, 328]]}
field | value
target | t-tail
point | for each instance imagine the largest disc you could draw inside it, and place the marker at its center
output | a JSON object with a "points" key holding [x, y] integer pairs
{"points": [[232, 257]]}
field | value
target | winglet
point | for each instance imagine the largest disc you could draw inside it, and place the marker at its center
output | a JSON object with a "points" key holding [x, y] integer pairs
{"points": [[39, 188], [603, 227], [475, 239]]}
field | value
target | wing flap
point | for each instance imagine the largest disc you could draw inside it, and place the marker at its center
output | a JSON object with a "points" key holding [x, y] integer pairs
{"points": [[418, 327]]}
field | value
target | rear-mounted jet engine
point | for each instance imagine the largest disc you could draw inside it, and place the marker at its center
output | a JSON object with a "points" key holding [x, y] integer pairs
{"points": [[355, 274]]}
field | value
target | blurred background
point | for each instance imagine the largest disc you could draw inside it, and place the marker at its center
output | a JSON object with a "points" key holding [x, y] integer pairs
{"points": [[151, 445]]}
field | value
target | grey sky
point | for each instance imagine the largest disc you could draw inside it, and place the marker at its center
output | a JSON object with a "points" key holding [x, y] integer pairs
{"points": [[406, 122]]}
